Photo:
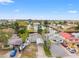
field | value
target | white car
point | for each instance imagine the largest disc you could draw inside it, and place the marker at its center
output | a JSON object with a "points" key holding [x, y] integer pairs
{"points": [[22, 47], [27, 42], [58, 40]]}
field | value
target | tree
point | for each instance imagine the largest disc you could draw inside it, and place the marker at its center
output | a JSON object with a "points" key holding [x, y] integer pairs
{"points": [[20, 25], [16, 27], [23, 30], [40, 29], [4, 37], [77, 28], [24, 35], [46, 23]]}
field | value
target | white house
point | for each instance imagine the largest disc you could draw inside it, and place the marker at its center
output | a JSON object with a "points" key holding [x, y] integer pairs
{"points": [[35, 37]]}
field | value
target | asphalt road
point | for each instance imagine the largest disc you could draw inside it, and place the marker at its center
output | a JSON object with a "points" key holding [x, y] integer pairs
{"points": [[58, 51]]}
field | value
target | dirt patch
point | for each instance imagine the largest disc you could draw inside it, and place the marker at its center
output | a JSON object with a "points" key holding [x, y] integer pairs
{"points": [[30, 51], [2, 52]]}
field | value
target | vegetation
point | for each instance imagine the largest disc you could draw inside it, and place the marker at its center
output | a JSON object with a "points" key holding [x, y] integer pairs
{"points": [[40, 29], [19, 25], [21, 29], [77, 28], [45, 23], [45, 30], [46, 49], [61, 22], [22, 23], [48, 42], [23, 33], [4, 37]]}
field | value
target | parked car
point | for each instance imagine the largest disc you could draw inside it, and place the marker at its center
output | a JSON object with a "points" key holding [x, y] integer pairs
{"points": [[58, 41], [22, 47], [72, 50], [13, 53], [64, 44]]}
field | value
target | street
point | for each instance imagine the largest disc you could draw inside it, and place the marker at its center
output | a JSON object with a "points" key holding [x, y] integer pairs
{"points": [[58, 51]]}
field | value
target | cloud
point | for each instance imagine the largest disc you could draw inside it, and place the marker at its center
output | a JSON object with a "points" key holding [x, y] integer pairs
{"points": [[72, 11], [6, 1]]}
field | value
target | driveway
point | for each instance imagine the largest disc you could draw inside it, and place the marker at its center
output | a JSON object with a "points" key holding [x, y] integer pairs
{"points": [[7, 55], [40, 53]]}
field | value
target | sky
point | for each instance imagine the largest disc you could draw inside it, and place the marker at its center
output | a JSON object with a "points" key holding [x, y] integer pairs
{"points": [[39, 9]]}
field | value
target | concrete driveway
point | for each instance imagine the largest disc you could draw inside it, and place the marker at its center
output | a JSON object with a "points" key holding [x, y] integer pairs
{"points": [[40, 53]]}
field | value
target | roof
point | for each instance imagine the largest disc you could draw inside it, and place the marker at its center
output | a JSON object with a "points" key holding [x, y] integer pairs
{"points": [[39, 40], [66, 35], [69, 37], [15, 42]]}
